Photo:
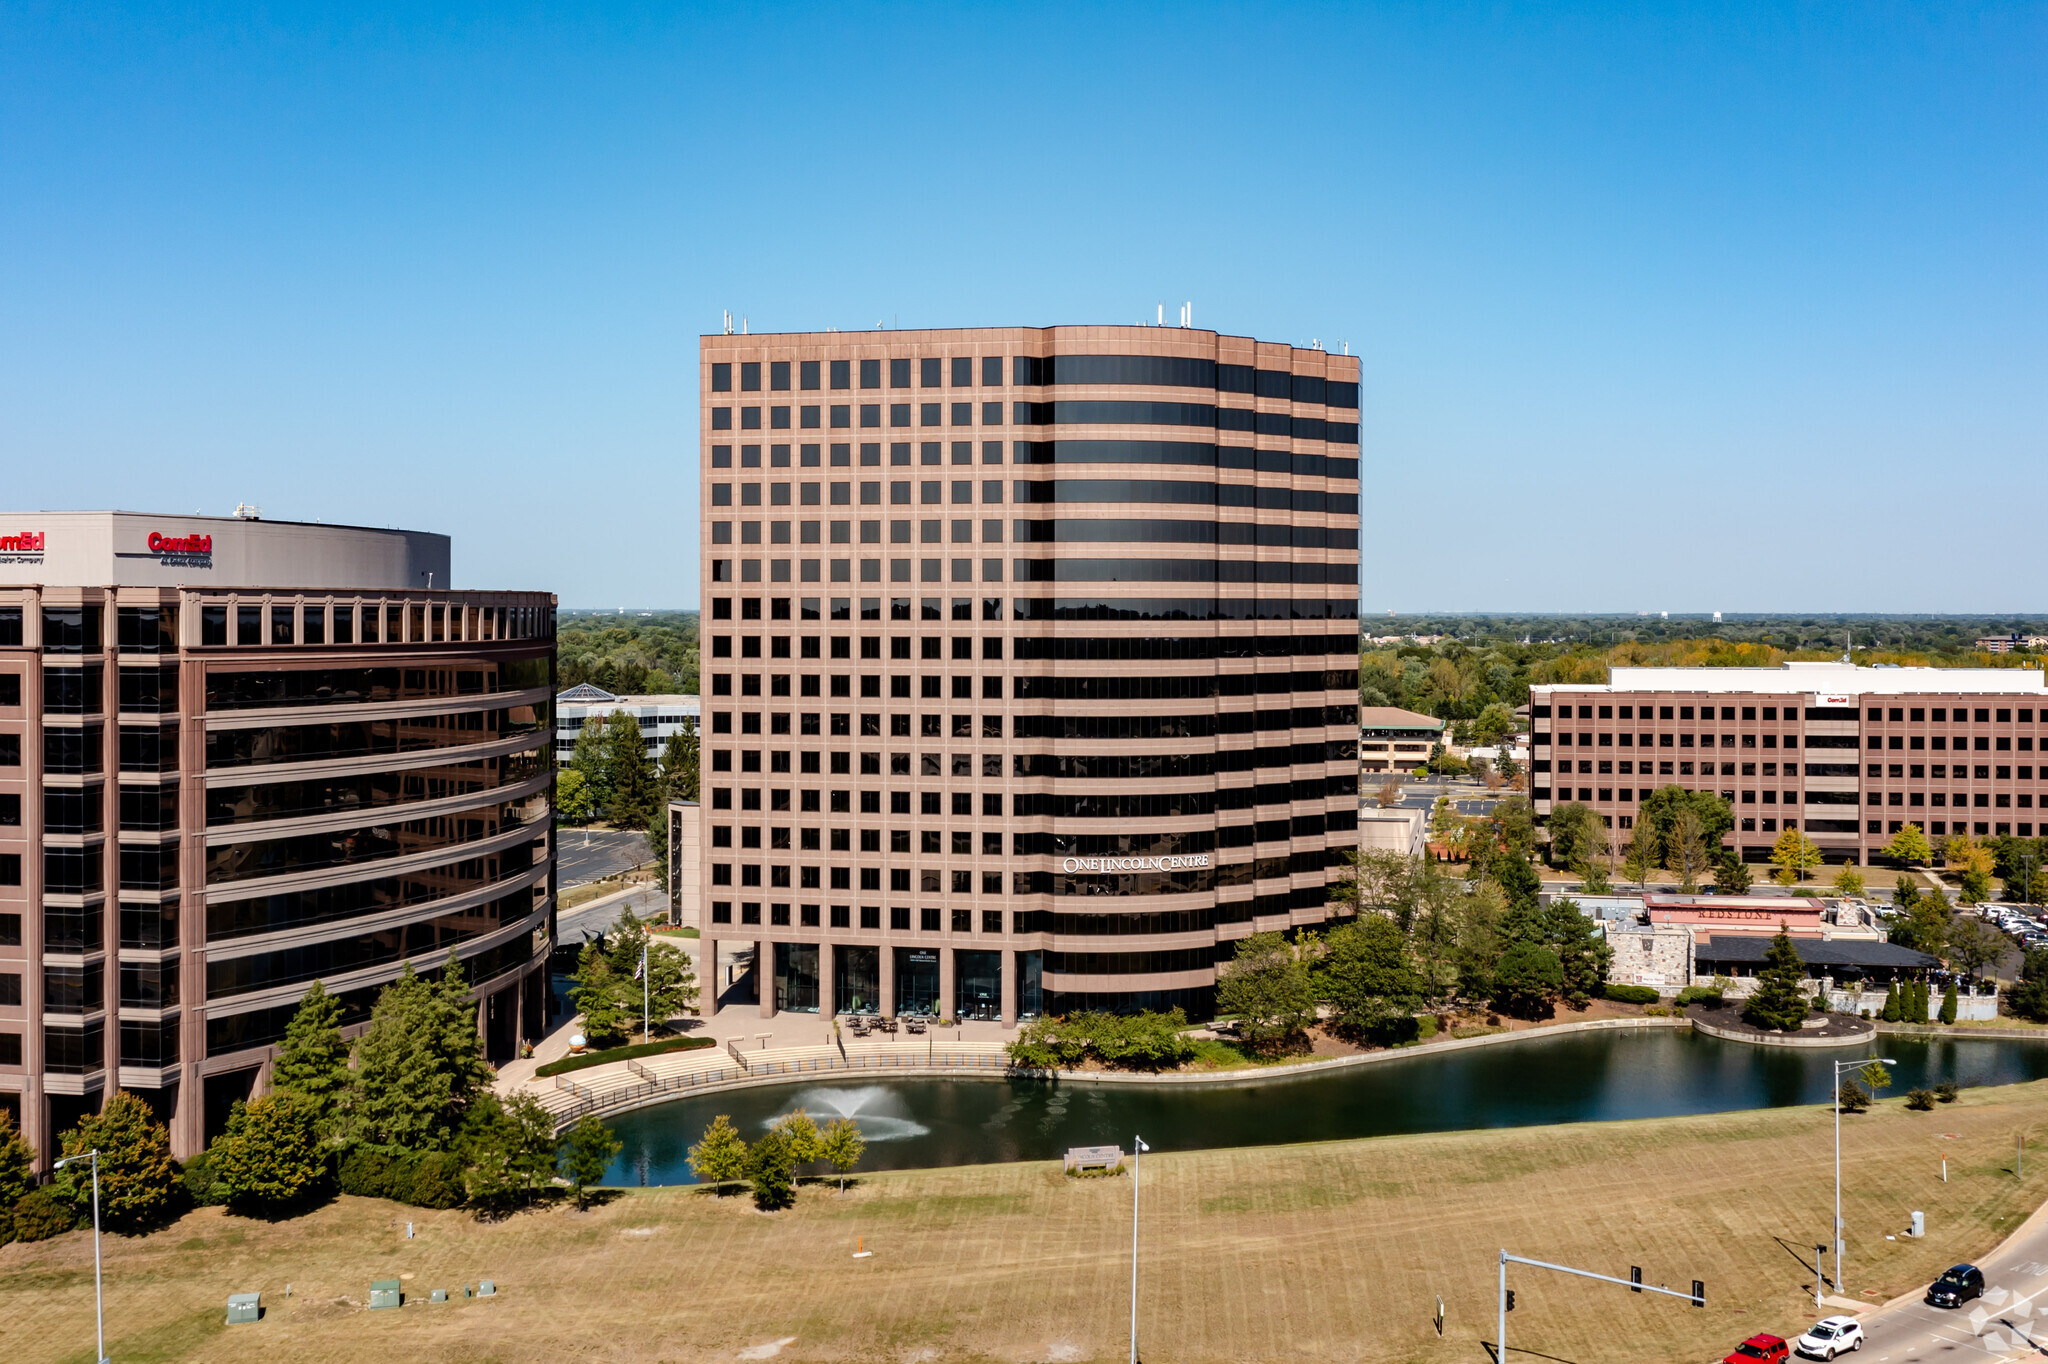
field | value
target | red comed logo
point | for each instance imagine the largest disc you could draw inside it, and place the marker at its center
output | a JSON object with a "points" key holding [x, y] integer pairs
{"points": [[177, 544], [30, 542]]}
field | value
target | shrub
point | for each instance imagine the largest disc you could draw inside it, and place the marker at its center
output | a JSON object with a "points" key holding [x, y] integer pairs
{"points": [[1945, 1092], [202, 1185], [1709, 995], [366, 1171], [1820, 1002], [1631, 994], [41, 1214], [436, 1181], [1855, 1098], [638, 1049], [1920, 1100], [1145, 1041]]}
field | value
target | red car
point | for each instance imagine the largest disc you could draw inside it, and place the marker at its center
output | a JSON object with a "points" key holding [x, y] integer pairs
{"points": [[1760, 1350]]}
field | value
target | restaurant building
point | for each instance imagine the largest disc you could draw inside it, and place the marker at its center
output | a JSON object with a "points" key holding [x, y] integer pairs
{"points": [[238, 756], [1030, 662], [1849, 755]]}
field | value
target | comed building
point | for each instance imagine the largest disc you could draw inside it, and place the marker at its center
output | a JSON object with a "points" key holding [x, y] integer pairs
{"points": [[240, 756], [1030, 662]]}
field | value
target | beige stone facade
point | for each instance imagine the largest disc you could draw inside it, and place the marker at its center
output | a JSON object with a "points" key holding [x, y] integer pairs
{"points": [[1030, 672]]}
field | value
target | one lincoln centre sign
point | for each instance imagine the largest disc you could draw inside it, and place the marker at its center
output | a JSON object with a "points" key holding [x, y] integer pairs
{"points": [[1167, 862]]}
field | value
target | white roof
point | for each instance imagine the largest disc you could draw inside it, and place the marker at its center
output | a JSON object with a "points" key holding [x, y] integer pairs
{"points": [[1844, 679]]}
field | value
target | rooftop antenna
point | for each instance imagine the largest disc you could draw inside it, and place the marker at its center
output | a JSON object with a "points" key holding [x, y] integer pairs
{"points": [[1162, 316], [1187, 313], [728, 322], [743, 326], [1848, 645]]}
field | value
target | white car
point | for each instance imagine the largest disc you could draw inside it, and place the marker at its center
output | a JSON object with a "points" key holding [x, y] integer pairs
{"points": [[1829, 1337]]}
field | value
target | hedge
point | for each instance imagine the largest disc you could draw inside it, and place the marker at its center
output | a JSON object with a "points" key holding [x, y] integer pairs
{"points": [[425, 1179], [1632, 994], [599, 1058]]}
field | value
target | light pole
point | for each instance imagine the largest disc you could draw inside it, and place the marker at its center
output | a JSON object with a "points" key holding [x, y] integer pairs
{"points": [[1840, 1241], [98, 1298], [1138, 1148]]}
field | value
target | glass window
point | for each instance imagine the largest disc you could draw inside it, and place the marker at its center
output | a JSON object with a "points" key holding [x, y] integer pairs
{"points": [[345, 624], [248, 625], [750, 376], [778, 375], [899, 374], [807, 374], [871, 374], [842, 374]]}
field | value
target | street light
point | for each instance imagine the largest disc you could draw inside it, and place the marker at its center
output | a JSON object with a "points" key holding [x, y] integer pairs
{"points": [[1840, 1241], [1138, 1148], [98, 1298]]}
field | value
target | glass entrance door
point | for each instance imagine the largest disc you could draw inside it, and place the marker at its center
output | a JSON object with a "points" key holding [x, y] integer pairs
{"points": [[978, 985]]}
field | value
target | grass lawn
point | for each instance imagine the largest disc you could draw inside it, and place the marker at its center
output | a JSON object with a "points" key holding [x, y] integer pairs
{"points": [[1328, 1252]]}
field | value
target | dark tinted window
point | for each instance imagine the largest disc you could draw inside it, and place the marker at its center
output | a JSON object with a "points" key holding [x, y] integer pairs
{"points": [[871, 374], [992, 371], [842, 374], [1273, 383], [1163, 370], [1308, 388], [1340, 395], [899, 374], [10, 626], [929, 372], [721, 378], [963, 371]]}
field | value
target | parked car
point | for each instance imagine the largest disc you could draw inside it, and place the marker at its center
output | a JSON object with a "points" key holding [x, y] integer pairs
{"points": [[1759, 1350], [1830, 1336], [1956, 1287]]}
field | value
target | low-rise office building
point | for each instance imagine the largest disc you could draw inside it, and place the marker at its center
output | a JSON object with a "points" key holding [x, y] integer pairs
{"points": [[659, 717], [1848, 755], [240, 756], [1393, 740]]}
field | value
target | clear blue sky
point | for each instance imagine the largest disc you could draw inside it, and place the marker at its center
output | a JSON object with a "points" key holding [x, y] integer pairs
{"points": [[1732, 308]]}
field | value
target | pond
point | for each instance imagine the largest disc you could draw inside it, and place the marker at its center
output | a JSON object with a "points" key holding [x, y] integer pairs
{"points": [[1577, 1077]]}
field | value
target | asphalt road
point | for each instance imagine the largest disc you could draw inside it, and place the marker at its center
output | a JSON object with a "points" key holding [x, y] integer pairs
{"points": [[583, 855], [2003, 1326], [571, 925]]}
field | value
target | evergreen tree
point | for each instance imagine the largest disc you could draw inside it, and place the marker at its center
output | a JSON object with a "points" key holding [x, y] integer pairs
{"points": [[419, 1064], [679, 761], [1639, 854], [605, 992], [1948, 1004], [137, 1178], [1365, 974], [1582, 953], [1732, 875], [842, 1145], [771, 1169], [1779, 1000], [492, 1180], [532, 1139], [1525, 980], [312, 1062], [657, 849], [586, 1151], [720, 1155], [2028, 998], [1920, 1002], [1517, 880], [1890, 1013], [272, 1155], [17, 1170], [635, 793]]}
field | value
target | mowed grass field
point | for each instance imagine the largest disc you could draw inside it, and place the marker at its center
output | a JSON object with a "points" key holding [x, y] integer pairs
{"points": [[1321, 1252]]}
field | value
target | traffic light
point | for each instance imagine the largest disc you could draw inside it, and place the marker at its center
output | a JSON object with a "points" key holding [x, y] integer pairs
{"points": [[1635, 1278], [1699, 1294], [1511, 1300]]}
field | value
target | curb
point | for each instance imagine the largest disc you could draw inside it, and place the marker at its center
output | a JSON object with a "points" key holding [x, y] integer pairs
{"points": [[1783, 1040]]}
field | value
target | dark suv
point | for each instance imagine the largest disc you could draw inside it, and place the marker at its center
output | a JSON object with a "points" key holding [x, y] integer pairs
{"points": [[1956, 1287]]}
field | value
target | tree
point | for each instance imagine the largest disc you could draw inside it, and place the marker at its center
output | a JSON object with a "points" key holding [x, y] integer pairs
{"points": [[1849, 882], [1659, 812], [800, 1130], [842, 1145], [17, 1168], [1779, 1000], [312, 1061], [1909, 846], [1389, 793], [273, 1154], [572, 796], [1970, 862], [1904, 893], [1495, 723], [1973, 944], [592, 758], [635, 795], [1639, 854], [1925, 926], [586, 1152], [607, 989], [419, 1064], [533, 1140], [720, 1155], [138, 1181], [1576, 835], [2037, 885], [1267, 987], [1731, 875], [1582, 953], [1525, 980], [771, 1169], [1890, 1012], [680, 759], [1685, 848], [1365, 974], [657, 847], [1794, 855], [2029, 998]]}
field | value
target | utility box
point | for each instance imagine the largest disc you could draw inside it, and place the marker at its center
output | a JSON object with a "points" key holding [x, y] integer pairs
{"points": [[438, 1295], [244, 1307], [1919, 1224], [487, 1289], [386, 1293]]}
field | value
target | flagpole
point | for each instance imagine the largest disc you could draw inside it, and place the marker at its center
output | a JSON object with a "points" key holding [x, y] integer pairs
{"points": [[1138, 1148], [646, 1025]]}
